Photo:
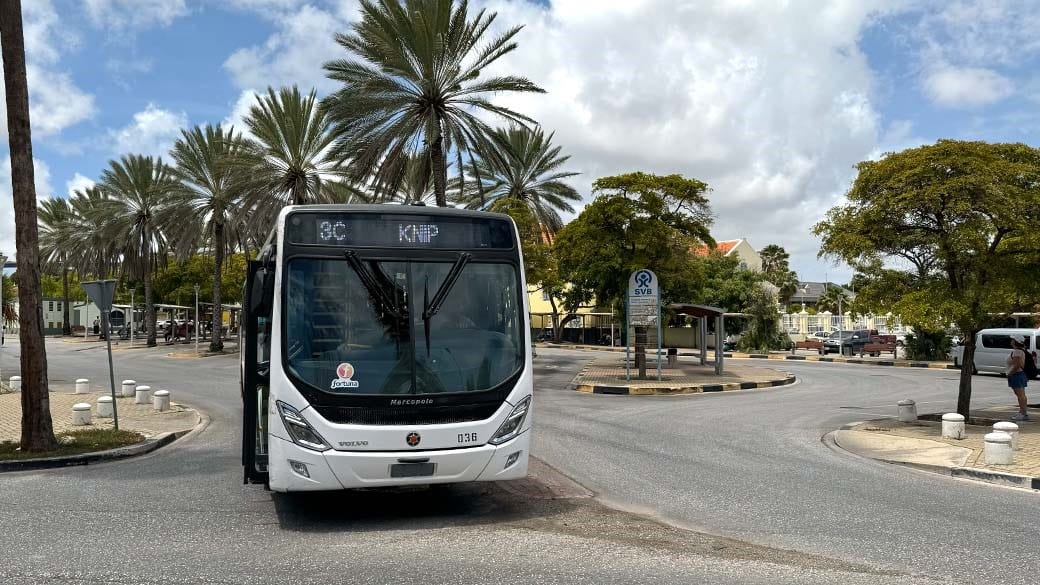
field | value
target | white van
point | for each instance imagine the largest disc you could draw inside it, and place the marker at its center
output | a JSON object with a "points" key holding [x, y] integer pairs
{"points": [[992, 347]]}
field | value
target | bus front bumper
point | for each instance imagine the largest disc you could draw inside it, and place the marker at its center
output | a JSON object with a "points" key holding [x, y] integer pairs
{"points": [[293, 468]]}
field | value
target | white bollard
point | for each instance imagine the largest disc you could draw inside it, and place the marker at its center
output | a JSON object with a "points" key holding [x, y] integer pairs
{"points": [[907, 410], [104, 407], [953, 426], [82, 386], [128, 389], [16, 383], [80, 414], [998, 449], [1009, 428], [143, 395], [161, 400]]}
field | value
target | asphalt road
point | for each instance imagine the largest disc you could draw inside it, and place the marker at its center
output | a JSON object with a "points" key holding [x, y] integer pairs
{"points": [[744, 465]]}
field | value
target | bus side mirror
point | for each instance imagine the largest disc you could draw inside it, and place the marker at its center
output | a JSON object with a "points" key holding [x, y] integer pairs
{"points": [[261, 297]]}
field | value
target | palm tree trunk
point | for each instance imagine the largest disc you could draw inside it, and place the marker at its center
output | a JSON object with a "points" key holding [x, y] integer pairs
{"points": [[149, 306], [216, 338], [37, 429], [66, 326], [440, 171]]}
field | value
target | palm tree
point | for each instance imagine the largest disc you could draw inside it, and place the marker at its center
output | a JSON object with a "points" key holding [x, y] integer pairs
{"points": [[290, 158], [55, 216], [412, 86], [138, 212], [774, 258], [37, 428], [828, 301], [416, 185], [208, 202], [91, 251], [523, 165]]}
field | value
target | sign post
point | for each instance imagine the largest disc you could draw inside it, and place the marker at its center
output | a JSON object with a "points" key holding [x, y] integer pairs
{"points": [[100, 292], [643, 309]]}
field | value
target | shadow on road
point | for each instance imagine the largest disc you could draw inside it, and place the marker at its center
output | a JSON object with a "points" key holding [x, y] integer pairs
{"points": [[412, 508]]}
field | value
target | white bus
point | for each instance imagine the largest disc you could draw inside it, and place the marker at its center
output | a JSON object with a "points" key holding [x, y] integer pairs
{"points": [[385, 345]]}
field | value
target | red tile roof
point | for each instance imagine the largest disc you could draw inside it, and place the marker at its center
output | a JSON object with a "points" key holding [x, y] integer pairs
{"points": [[724, 247]]}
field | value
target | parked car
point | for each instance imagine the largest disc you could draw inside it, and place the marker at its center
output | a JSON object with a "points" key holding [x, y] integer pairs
{"points": [[848, 342], [992, 347], [819, 336]]}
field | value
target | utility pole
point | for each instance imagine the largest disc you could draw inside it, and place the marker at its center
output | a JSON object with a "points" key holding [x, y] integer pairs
{"points": [[131, 318], [3, 319]]}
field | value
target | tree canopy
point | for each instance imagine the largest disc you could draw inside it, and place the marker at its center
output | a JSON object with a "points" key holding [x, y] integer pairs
{"points": [[637, 221], [956, 224]]}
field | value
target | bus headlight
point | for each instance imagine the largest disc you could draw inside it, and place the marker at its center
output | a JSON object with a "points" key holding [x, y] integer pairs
{"points": [[299, 429], [511, 427]]}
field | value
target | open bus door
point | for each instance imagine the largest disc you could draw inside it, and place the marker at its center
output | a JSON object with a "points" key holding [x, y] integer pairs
{"points": [[255, 352]]}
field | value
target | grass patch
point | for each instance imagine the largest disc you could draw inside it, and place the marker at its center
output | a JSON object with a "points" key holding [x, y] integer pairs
{"points": [[74, 443]]}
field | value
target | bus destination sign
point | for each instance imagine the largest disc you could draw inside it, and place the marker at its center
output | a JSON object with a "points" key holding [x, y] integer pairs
{"points": [[398, 230]]}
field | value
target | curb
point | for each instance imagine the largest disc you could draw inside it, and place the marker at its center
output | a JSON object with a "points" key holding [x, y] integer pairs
{"points": [[982, 475], [142, 448], [688, 389], [780, 357]]}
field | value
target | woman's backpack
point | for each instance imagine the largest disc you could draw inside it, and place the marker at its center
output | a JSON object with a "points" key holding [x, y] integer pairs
{"points": [[1029, 367]]}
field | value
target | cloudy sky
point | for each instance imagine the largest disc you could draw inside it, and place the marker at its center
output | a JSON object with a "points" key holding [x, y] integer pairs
{"points": [[771, 103]]}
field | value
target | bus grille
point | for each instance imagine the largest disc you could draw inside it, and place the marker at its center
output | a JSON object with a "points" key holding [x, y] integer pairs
{"points": [[435, 415]]}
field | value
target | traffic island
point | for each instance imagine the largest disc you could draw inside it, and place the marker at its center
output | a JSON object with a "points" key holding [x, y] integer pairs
{"points": [[607, 376], [144, 428], [921, 445]]}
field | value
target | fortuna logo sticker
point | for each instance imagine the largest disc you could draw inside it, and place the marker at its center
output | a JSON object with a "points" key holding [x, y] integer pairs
{"points": [[345, 372]]}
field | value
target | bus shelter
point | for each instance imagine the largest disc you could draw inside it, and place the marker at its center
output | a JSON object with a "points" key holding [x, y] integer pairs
{"points": [[703, 313]]}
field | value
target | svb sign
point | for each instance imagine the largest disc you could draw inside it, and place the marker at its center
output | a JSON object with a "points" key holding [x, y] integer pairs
{"points": [[643, 297]]}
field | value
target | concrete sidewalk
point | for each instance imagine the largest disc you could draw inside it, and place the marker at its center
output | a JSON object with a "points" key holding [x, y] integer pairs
{"points": [[798, 355], [141, 418], [607, 376], [920, 444]]}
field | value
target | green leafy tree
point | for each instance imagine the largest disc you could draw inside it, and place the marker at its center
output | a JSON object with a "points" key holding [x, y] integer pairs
{"points": [[56, 220], [289, 158], [209, 203], [763, 327], [10, 293], [637, 221], [137, 215], [525, 166], [963, 217], [727, 286], [412, 85]]}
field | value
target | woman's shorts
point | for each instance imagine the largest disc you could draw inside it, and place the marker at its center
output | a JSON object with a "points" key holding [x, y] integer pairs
{"points": [[1017, 380]]}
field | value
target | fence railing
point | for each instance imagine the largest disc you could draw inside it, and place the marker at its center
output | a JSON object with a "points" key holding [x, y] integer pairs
{"points": [[807, 324]]}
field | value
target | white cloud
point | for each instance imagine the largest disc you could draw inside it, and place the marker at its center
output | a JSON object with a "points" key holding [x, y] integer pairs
{"points": [[55, 101], [78, 183], [716, 91], [42, 176], [133, 15], [967, 87], [240, 110], [152, 132], [294, 54]]}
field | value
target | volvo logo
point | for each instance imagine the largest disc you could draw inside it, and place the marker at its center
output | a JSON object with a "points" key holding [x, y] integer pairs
{"points": [[412, 439]]}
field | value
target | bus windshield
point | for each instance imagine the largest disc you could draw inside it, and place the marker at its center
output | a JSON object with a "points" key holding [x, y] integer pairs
{"points": [[357, 326]]}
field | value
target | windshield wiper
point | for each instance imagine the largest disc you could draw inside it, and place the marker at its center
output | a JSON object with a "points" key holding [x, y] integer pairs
{"points": [[430, 307], [372, 284]]}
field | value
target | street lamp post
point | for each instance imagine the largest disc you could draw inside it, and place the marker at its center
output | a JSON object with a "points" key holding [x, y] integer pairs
{"points": [[196, 328], [131, 317]]}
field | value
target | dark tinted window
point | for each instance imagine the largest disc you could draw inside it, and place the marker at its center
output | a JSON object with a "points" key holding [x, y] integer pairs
{"points": [[996, 341], [348, 337]]}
